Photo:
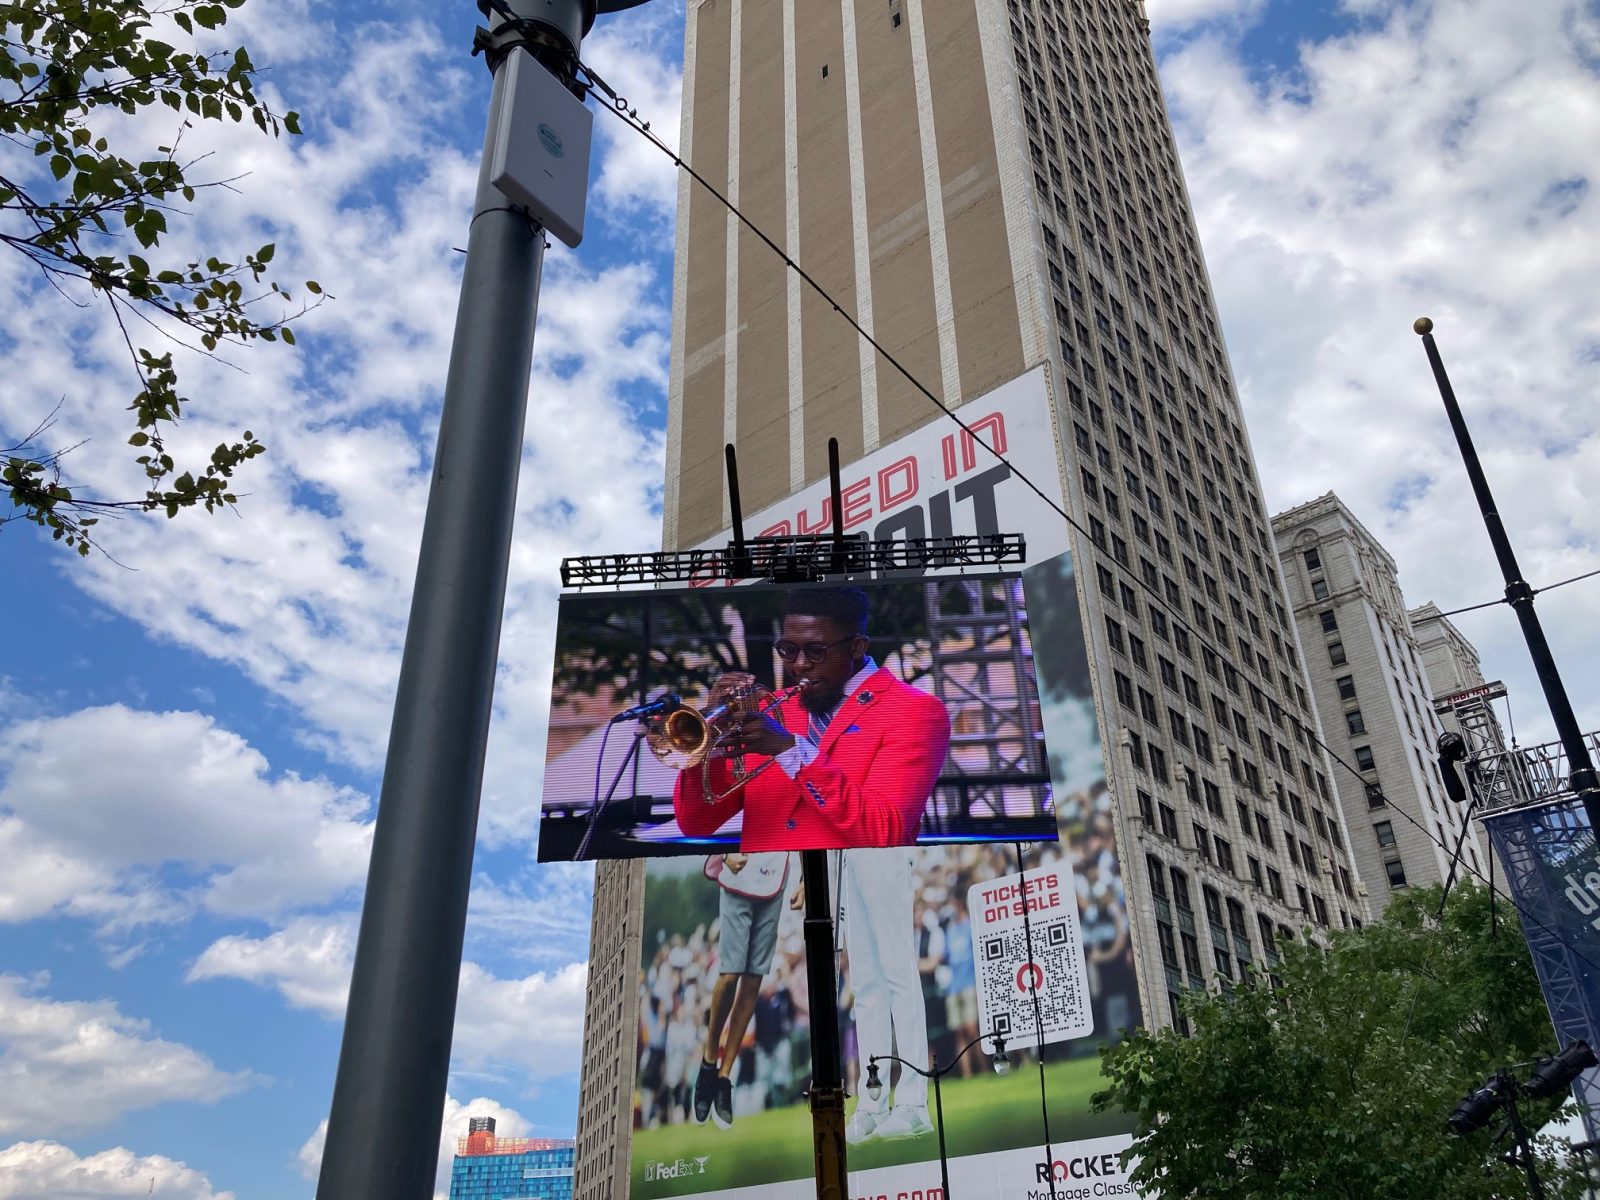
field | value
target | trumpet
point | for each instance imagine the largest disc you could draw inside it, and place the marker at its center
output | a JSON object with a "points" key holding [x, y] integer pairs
{"points": [[685, 737]]}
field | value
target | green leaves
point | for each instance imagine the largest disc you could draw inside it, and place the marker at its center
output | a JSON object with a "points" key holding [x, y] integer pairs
{"points": [[1336, 1084], [149, 227], [93, 186]]}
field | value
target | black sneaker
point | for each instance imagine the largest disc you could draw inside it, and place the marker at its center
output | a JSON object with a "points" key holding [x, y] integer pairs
{"points": [[722, 1110], [705, 1087]]}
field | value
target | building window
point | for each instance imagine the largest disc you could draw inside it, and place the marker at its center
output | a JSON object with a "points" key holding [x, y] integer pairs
{"points": [[1364, 758], [1354, 722], [1375, 796], [1224, 854], [1319, 589], [1347, 687], [1336, 653], [1313, 560], [1396, 873], [1330, 623], [1385, 832]]}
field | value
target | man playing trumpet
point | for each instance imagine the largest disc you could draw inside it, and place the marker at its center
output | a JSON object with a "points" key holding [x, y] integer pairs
{"points": [[853, 763]]}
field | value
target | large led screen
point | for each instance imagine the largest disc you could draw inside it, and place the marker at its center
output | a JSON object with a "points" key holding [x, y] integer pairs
{"points": [[767, 719], [939, 949]]}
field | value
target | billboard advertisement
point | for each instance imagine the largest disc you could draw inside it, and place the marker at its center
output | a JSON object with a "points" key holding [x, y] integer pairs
{"points": [[938, 948], [766, 719], [1552, 867], [940, 480]]}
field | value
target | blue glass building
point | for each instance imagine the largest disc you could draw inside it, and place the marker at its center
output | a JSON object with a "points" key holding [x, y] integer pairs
{"points": [[488, 1167]]}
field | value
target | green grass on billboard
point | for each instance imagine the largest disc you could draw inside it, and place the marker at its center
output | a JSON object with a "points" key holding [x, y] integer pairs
{"points": [[981, 1114]]}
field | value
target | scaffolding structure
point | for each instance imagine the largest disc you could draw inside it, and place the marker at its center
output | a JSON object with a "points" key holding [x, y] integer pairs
{"points": [[1542, 838], [981, 668], [1543, 846]]}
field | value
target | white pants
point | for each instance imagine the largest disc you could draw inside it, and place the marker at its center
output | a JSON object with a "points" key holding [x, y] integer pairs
{"points": [[875, 895]]}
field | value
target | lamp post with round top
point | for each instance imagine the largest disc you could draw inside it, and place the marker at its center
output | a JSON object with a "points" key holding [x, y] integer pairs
{"points": [[1001, 1062]]}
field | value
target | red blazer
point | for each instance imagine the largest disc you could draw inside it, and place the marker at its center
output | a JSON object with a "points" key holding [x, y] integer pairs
{"points": [[868, 785]]}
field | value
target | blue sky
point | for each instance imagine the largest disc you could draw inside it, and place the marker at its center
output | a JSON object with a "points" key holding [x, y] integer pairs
{"points": [[190, 741]]}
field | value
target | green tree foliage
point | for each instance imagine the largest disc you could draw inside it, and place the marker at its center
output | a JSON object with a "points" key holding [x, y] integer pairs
{"points": [[1337, 1083], [90, 212]]}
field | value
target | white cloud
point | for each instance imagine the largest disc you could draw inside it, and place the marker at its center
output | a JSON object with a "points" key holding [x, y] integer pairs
{"points": [[1435, 160], [74, 1064], [508, 1123], [490, 1012], [51, 1171], [306, 588], [131, 818], [309, 962], [543, 916], [636, 179], [1168, 15]]}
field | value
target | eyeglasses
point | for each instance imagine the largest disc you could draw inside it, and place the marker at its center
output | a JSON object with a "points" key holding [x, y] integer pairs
{"points": [[814, 651]]}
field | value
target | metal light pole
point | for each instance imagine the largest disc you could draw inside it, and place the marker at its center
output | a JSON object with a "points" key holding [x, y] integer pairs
{"points": [[934, 1072], [1519, 595], [388, 1097]]}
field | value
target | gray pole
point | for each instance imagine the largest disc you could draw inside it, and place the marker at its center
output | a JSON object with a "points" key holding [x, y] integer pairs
{"points": [[388, 1097]]}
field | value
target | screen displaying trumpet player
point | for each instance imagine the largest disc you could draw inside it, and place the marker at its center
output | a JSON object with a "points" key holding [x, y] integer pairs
{"points": [[845, 756], [888, 712]]}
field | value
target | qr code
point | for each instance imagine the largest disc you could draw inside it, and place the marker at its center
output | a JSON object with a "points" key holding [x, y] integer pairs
{"points": [[1009, 981]]}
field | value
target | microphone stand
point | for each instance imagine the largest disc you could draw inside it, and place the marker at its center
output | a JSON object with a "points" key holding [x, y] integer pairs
{"points": [[600, 805]]}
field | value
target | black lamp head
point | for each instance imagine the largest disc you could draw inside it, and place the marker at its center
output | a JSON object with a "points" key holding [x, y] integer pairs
{"points": [[1556, 1074], [1479, 1108], [874, 1083]]}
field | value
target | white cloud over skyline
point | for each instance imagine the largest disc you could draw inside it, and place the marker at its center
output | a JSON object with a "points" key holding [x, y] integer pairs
{"points": [[68, 1065], [309, 963], [43, 1170], [132, 818], [1433, 162]]}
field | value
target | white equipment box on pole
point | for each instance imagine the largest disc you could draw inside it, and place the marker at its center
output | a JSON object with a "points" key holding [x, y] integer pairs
{"points": [[541, 148]]}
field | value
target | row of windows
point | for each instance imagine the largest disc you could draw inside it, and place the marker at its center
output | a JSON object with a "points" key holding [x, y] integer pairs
{"points": [[1200, 546]]}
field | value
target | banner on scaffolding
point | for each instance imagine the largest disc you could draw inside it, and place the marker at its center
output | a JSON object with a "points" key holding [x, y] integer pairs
{"points": [[1552, 869]]}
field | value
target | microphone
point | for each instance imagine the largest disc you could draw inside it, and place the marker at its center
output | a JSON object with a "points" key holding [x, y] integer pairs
{"points": [[664, 703]]}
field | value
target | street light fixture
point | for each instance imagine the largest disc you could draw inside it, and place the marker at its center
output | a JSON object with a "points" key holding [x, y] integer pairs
{"points": [[1000, 1061], [1550, 1077]]}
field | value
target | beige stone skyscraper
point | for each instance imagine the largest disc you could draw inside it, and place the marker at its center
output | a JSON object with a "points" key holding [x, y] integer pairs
{"points": [[989, 186], [1376, 698]]}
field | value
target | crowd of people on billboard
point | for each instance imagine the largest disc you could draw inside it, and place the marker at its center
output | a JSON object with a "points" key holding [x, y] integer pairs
{"points": [[724, 1021]]}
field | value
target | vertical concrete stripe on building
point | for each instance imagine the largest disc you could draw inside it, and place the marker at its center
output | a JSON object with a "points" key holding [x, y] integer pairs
{"points": [[791, 210], [943, 303], [858, 229], [1015, 180], [730, 360], [680, 278]]}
